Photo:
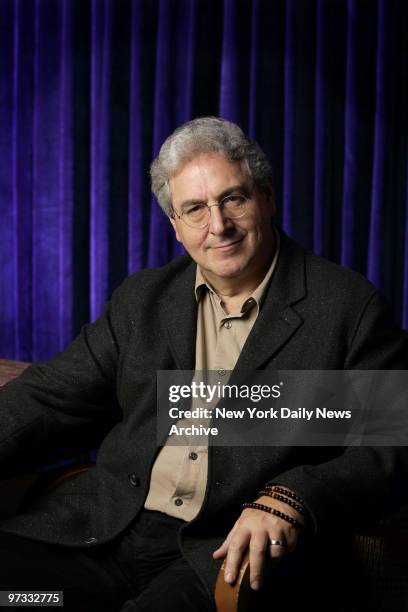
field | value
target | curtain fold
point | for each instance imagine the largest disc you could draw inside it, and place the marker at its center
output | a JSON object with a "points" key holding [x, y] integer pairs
{"points": [[320, 153], [350, 201], [65, 176], [136, 259], [229, 87], [172, 105], [89, 89], [380, 140], [405, 266], [253, 77], [289, 119], [52, 178], [101, 41]]}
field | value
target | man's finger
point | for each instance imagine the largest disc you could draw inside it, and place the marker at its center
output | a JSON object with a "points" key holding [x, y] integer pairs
{"points": [[236, 549], [278, 547], [283, 541], [221, 551], [257, 549]]}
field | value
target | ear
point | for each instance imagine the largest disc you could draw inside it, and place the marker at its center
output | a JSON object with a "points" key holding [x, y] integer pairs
{"points": [[174, 224]]}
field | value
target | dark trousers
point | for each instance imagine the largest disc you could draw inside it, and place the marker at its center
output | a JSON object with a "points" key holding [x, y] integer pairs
{"points": [[141, 571]]}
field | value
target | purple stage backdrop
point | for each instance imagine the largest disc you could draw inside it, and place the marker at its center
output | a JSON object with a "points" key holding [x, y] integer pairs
{"points": [[90, 88]]}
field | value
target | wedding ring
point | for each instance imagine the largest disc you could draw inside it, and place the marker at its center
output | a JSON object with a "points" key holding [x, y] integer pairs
{"points": [[278, 543]]}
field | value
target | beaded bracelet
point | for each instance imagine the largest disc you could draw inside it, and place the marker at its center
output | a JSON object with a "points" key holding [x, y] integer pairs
{"points": [[285, 500], [282, 515], [287, 492]]}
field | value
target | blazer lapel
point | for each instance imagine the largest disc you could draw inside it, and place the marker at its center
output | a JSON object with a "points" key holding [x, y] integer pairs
{"points": [[179, 314], [277, 321]]}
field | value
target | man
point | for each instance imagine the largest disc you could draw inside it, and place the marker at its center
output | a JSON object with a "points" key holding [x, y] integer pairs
{"points": [[141, 525]]}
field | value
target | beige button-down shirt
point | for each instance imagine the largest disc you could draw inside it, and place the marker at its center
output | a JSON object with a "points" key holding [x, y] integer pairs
{"points": [[179, 475]]}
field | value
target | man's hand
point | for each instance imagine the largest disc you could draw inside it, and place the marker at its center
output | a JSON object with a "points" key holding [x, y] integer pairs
{"points": [[256, 529]]}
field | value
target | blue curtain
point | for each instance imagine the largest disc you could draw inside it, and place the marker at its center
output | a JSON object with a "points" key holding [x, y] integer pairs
{"points": [[89, 89]]}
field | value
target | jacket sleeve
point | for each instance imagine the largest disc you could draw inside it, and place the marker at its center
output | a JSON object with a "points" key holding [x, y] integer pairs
{"points": [[58, 409], [362, 482]]}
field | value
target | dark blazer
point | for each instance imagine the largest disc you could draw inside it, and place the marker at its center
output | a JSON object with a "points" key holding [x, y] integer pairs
{"points": [[102, 391]]}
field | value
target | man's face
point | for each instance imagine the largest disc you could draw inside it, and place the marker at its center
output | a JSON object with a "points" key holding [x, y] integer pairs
{"points": [[226, 248]]}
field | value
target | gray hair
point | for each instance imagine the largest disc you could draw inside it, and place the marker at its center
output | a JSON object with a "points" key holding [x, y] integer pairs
{"points": [[206, 135]]}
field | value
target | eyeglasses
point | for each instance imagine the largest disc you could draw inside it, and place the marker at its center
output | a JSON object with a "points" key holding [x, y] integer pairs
{"points": [[198, 215]]}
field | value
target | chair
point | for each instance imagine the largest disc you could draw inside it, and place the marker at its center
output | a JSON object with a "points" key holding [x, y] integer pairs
{"points": [[379, 554]]}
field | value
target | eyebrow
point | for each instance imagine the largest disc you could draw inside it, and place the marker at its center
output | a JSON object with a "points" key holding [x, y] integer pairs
{"points": [[241, 188]]}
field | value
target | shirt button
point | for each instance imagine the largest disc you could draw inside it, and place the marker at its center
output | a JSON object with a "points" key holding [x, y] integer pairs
{"points": [[91, 540], [227, 324], [178, 501], [134, 480], [193, 456], [221, 372]]}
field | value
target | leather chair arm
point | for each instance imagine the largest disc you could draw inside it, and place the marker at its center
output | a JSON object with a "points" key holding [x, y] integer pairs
{"points": [[233, 597], [11, 369]]}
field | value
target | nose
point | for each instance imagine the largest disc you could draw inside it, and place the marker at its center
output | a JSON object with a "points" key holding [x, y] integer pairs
{"points": [[218, 223]]}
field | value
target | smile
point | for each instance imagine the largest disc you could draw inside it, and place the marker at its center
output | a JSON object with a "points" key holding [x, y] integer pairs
{"points": [[230, 246]]}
